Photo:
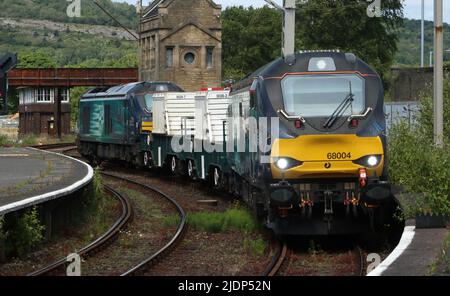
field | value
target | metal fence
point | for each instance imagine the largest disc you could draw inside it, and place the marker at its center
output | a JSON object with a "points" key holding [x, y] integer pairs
{"points": [[397, 111], [5, 122]]}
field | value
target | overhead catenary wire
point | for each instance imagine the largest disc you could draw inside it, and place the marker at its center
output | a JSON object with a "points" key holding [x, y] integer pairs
{"points": [[114, 19]]}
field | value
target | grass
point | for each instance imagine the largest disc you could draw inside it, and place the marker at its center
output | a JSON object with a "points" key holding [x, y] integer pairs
{"points": [[235, 218], [3, 140], [171, 220], [28, 140], [33, 140], [444, 260], [255, 246]]}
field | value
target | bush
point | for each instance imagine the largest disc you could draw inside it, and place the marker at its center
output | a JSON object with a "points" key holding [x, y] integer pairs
{"points": [[28, 140], [4, 141], [418, 165], [26, 233]]}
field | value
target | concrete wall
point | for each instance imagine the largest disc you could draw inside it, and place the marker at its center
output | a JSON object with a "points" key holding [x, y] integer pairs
{"points": [[408, 84]]}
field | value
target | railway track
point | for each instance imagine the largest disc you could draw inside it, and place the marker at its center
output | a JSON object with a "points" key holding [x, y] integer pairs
{"points": [[98, 244], [277, 260], [275, 267], [282, 255], [146, 264], [53, 146], [125, 218]]}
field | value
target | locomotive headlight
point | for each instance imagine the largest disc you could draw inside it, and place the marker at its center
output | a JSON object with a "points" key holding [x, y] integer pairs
{"points": [[286, 163], [321, 64], [372, 161], [369, 161], [282, 163]]}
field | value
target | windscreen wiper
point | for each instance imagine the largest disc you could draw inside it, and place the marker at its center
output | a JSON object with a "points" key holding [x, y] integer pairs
{"points": [[343, 106]]}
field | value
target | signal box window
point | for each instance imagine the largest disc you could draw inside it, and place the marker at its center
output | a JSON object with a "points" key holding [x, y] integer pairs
{"points": [[169, 57], [209, 57]]}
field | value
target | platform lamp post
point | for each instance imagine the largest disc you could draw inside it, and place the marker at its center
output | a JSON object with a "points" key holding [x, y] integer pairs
{"points": [[422, 37], [438, 74], [431, 56]]}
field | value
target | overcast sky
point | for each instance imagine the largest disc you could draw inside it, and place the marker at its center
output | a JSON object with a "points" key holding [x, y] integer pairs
{"points": [[412, 7]]}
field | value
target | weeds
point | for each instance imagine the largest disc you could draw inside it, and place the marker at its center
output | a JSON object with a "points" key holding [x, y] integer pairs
{"points": [[28, 140], [418, 165], [171, 220], [26, 234], [234, 218], [96, 205], [4, 140], [255, 246]]}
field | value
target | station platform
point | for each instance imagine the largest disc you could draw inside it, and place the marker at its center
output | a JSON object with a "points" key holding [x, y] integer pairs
{"points": [[416, 253], [30, 176]]}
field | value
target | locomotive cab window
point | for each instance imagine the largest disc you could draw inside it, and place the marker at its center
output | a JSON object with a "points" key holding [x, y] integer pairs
{"points": [[319, 96], [148, 98]]}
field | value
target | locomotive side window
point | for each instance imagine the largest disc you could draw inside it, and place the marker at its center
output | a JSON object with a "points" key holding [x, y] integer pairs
{"points": [[148, 102], [320, 95], [162, 87], [86, 120], [108, 122]]}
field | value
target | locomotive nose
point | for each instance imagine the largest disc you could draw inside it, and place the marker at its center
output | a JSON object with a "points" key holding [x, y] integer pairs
{"points": [[323, 156]]}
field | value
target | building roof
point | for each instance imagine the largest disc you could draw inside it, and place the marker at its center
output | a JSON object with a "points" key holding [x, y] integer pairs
{"points": [[185, 24], [151, 10]]}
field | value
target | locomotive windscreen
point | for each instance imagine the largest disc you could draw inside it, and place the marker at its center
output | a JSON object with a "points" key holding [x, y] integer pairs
{"points": [[319, 95]]}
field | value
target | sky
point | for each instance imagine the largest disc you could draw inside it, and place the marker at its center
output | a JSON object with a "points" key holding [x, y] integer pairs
{"points": [[412, 7]]}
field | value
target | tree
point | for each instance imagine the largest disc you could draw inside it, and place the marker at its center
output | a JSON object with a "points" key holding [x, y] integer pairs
{"points": [[345, 25], [36, 59], [252, 37]]}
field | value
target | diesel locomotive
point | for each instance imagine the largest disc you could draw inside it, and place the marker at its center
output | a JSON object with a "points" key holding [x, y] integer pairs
{"points": [[110, 121], [325, 169], [328, 169]]}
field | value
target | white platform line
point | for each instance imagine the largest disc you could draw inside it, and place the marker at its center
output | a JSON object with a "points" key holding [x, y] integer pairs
{"points": [[50, 195], [405, 241]]}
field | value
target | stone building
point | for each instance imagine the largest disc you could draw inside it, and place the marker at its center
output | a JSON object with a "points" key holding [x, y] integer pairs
{"points": [[181, 42]]}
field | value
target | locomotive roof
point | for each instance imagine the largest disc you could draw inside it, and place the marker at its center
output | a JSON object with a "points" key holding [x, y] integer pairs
{"points": [[301, 64], [125, 89]]}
